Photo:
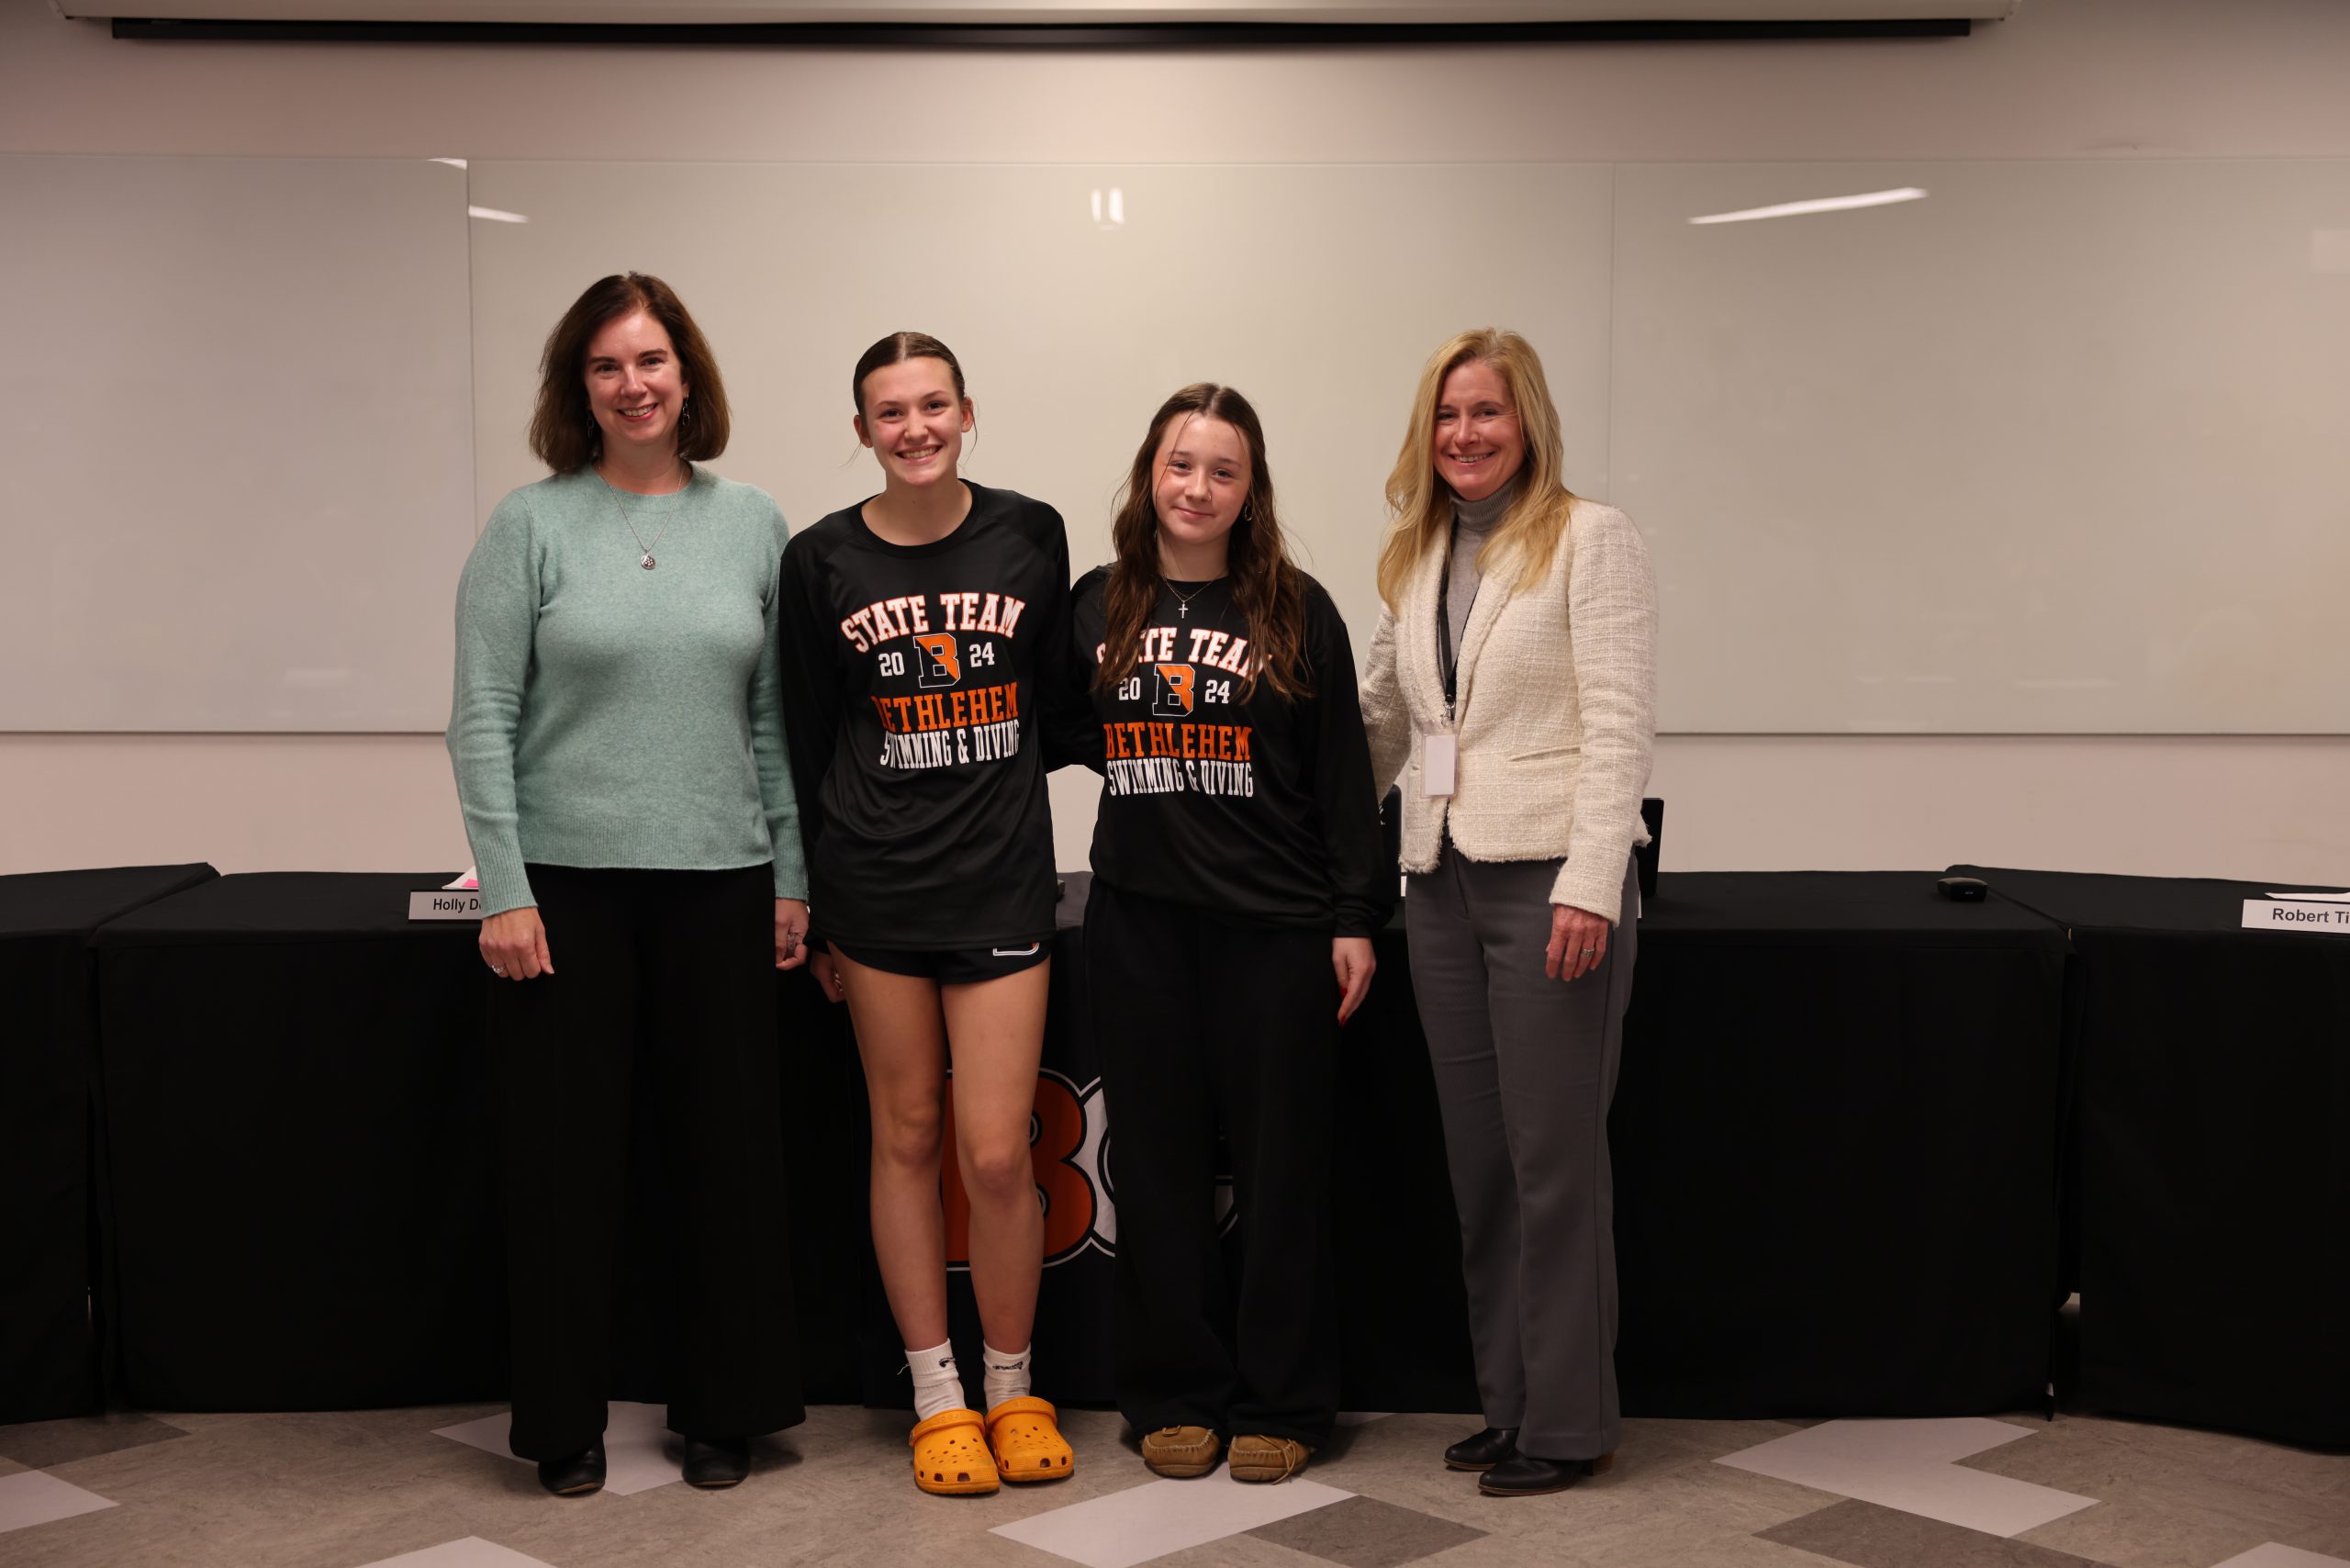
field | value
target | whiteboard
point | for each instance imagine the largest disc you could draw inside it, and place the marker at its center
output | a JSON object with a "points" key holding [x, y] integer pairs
{"points": [[2058, 447], [237, 486], [1076, 298]]}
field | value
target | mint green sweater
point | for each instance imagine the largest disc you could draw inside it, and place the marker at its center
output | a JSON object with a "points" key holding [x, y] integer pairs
{"points": [[609, 716]]}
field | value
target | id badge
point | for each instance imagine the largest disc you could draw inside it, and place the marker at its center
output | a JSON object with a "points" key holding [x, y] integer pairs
{"points": [[1439, 754]]}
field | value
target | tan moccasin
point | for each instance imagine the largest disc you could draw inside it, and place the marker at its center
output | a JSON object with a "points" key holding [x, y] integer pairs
{"points": [[1258, 1458], [1181, 1452]]}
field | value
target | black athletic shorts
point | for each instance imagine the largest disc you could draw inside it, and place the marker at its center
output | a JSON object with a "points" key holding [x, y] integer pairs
{"points": [[953, 965]]}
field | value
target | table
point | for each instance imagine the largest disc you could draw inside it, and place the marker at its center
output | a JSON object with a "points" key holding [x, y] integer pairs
{"points": [[1849, 1210], [48, 1362], [298, 1105], [2214, 1154], [1403, 1307], [1835, 1140], [1835, 1146], [303, 1143]]}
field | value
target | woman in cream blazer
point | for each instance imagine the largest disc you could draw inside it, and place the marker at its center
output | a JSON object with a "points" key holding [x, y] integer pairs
{"points": [[1511, 686]]}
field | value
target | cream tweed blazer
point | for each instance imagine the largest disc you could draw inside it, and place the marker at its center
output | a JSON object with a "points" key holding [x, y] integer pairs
{"points": [[1557, 711]]}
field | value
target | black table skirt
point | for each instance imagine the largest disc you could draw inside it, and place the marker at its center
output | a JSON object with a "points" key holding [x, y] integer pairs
{"points": [[2213, 1172], [1403, 1309], [305, 1198], [1834, 1147], [1850, 1210], [48, 1364], [1835, 1140], [304, 1203]]}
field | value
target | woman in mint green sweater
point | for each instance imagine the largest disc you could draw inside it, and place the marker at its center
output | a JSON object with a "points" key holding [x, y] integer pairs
{"points": [[617, 739]]}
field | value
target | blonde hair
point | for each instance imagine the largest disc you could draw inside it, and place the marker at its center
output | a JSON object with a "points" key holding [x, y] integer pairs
{"points": [[1421, 503]]}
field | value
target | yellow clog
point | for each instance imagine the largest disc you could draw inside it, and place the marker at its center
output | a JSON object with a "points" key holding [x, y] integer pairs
{"points": [[1027, 1437], [951, 1456]]}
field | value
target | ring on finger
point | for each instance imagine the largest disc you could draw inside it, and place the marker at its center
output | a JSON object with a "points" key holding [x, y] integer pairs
{"points": [[495, 971]]}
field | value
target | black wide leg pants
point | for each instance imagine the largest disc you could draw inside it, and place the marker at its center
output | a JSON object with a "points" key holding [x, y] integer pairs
{"points": [[679, 965], [1204, 1025]]}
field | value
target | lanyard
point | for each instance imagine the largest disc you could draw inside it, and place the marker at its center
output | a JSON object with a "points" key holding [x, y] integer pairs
{"points": [[1445, 664]]}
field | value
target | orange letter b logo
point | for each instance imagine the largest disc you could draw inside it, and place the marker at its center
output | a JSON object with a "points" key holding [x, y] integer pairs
{"points": [[941, 666], [1174, 696]]}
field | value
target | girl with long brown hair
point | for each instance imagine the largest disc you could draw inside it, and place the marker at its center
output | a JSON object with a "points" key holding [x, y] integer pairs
{"points": [[1238, 881]]}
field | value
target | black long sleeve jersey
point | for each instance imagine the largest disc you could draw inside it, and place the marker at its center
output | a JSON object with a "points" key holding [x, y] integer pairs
{"points": [[916, 680], [1259, 811]]}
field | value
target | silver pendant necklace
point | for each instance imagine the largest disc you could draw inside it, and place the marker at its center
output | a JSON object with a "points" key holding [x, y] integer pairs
{"points": [[1183, 601], [645, 550]]}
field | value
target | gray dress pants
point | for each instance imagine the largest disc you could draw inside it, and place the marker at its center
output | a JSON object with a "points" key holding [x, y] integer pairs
{"points": [[1524, 1069]]}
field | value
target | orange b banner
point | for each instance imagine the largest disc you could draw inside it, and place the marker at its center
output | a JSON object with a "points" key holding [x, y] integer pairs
{"points": [[1067, 1147]]}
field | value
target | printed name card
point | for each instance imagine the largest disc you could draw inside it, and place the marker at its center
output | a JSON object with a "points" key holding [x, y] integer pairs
{"points": [[449, 903], [2286, 914]]}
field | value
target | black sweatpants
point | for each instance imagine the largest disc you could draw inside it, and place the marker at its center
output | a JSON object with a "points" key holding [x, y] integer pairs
{"points": [[1205, 1026], [681, 965]]}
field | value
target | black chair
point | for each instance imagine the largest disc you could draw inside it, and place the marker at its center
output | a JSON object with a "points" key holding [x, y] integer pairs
{"points": [[1645, 856]]}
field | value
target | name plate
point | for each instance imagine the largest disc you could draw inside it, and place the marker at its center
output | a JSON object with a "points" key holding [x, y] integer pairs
{"points": [[451, 904], [2282, 915]]}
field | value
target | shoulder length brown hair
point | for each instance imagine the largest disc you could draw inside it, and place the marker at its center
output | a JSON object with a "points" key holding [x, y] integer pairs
{"points": [[1421, 503], [563, 431], [1267, 587]]}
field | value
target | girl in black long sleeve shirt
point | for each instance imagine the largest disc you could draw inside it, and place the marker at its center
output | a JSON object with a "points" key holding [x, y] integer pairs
{"points": [[1238, 879], [927, 641]]}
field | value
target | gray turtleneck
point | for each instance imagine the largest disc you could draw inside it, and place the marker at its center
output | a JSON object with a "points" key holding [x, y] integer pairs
{"points": [[1472, 524]]}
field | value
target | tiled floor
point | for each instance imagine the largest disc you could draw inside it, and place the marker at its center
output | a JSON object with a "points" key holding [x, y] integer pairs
{"points": [[434, 1488]]}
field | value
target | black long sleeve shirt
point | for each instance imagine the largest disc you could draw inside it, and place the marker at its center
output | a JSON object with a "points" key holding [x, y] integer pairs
{"points": [[917, 683], [1259, 810]]}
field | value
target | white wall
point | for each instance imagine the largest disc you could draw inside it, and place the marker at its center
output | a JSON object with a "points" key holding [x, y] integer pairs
{"points": [[2065, 78]]}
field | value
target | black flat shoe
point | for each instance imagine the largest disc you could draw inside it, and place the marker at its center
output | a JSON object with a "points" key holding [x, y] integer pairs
{"points": [[576, 1475], [1526, 1477], [1485, 1451], [717, 1462]]}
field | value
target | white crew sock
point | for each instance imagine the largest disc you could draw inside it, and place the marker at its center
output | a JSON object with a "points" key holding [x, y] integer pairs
{"points": [[1007, 1373], [938, 1381]]}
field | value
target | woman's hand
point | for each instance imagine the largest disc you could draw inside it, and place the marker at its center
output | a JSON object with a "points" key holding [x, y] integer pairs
{"points": [[827, 973], [1350, 959], [514, 944], [790, 932], [1578, 941]]}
